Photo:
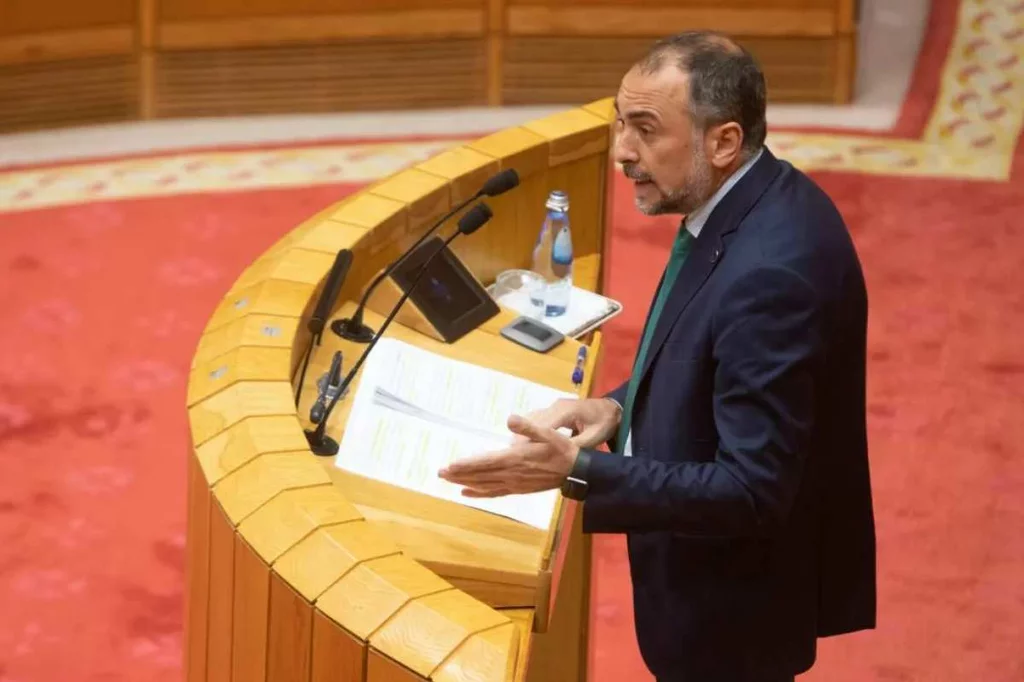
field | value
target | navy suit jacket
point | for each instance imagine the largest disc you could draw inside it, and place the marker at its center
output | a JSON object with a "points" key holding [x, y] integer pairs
{"points": [[747, 501]]}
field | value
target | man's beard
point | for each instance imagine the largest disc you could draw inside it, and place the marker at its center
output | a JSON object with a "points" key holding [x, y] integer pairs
{"points": [[686, 199]]}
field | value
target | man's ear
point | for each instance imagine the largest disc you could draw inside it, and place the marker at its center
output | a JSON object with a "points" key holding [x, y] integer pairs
{"points": [[725, 144]]}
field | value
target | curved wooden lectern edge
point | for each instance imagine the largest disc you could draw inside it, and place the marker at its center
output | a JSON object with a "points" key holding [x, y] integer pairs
{"points": [[262, 512]]}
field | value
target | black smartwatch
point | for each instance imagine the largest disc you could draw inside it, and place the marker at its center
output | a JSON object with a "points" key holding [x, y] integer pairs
{"points": [[575, 484]]}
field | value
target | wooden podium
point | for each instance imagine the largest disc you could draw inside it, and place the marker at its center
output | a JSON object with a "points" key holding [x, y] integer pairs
{"points": [[300, 571]]}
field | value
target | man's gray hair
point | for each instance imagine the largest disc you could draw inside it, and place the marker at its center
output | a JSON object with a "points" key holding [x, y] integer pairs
{"points": [[726, 82]]}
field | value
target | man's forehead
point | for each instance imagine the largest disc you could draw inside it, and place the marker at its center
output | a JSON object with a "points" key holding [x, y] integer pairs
{"points": [[668, 86]]}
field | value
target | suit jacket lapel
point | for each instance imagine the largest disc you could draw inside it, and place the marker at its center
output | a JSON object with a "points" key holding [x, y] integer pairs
{"points": [[709, 248]]}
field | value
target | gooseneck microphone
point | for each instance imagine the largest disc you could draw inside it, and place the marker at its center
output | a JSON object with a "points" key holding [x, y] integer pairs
{"points": [[319, 442], [315, 325], [353, 328]]}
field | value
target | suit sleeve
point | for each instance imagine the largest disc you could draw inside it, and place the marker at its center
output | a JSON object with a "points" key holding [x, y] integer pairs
{"points": [[619, 394], [767, 344]]}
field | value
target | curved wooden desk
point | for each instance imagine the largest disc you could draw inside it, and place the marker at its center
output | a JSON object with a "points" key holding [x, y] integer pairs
{"points": [[300, 571]]}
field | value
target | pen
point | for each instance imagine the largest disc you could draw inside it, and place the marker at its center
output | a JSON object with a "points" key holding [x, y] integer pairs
{"points": [[581, 360]]}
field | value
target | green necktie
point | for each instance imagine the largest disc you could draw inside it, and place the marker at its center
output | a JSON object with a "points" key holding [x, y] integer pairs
{"points": [[680, 249]]}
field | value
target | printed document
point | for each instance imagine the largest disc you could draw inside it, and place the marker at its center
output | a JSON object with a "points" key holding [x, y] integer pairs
{"points": [[416, 411]]}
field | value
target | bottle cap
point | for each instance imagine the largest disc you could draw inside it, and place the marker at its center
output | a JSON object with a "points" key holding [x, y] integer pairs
{"points": [[557, 201]]}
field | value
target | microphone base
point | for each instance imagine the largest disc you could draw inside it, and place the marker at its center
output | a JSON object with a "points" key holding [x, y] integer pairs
{"points": [[351, 330], [325, 447]]}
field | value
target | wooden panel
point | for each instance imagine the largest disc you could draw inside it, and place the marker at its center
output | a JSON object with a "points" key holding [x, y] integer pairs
{"points": [[281, 523], [211, 9], [331, 236], [337, 655], [19, 17], [537, 20], [569, 70], [326, 555], [273, 297], [426, 197], [246, 490], [197, 574], [252, 32], [427, 630], [247, 363], [290, 645], [640, 4], [39, 47], [73, 92], [296, 265], [225, 409], [247, 440], [350, 75], [490, 654], [267, 331], [371, 593], [222, 583], [380, 668], [251, 616]]}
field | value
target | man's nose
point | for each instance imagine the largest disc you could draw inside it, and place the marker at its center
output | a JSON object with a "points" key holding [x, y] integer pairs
{"points": [[623, 149]]}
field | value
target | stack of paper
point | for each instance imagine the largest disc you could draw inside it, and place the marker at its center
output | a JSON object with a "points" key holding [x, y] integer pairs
{"points": [[417, 411], [587, 310]]}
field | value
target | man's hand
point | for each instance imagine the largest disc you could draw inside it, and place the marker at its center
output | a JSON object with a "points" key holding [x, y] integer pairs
{"points": [[539, 460], [592, 421]]}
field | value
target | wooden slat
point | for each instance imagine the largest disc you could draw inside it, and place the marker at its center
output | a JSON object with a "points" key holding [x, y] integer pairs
{"points": [[251, 616], [61, 45], [265, 331], [366, 597], [326, 555], [290, 642], [247, 440], [250, 487], [293, 515], [277, 297], [354, 75], [197, 574], [426, 197], [235, 403], [295, 265], [518, 148], [246, 363], [75, 91], [331, 236], [222, 583], [427, 630], [491, 654], [572, 135], [337, 655], [537, 20], [260, 31]]}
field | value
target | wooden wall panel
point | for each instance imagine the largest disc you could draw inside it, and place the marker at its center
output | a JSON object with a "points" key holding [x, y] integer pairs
{"points": [[19, 17], [177, 10], [251, 616], [354, 75], [72, 92], [567, 70]]}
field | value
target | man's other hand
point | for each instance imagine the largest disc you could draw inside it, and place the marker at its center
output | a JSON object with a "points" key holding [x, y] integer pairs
{"points": [[592, 421]]}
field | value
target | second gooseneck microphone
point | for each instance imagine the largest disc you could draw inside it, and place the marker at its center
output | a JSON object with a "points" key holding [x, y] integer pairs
{"points": [[319, 442], [353, 328]]}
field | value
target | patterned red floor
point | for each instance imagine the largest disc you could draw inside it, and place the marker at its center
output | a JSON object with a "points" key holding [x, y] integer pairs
{"points": [[103, 304]]}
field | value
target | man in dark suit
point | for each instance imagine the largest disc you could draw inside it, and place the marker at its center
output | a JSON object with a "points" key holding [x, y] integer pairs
{"points": [[739, 468]]}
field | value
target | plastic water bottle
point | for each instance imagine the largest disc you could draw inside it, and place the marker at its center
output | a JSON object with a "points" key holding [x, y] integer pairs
{"points": [[552, 257]]}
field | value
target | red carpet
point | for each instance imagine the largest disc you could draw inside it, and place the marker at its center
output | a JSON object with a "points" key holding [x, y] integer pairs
{"points": [[103, 304]]}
